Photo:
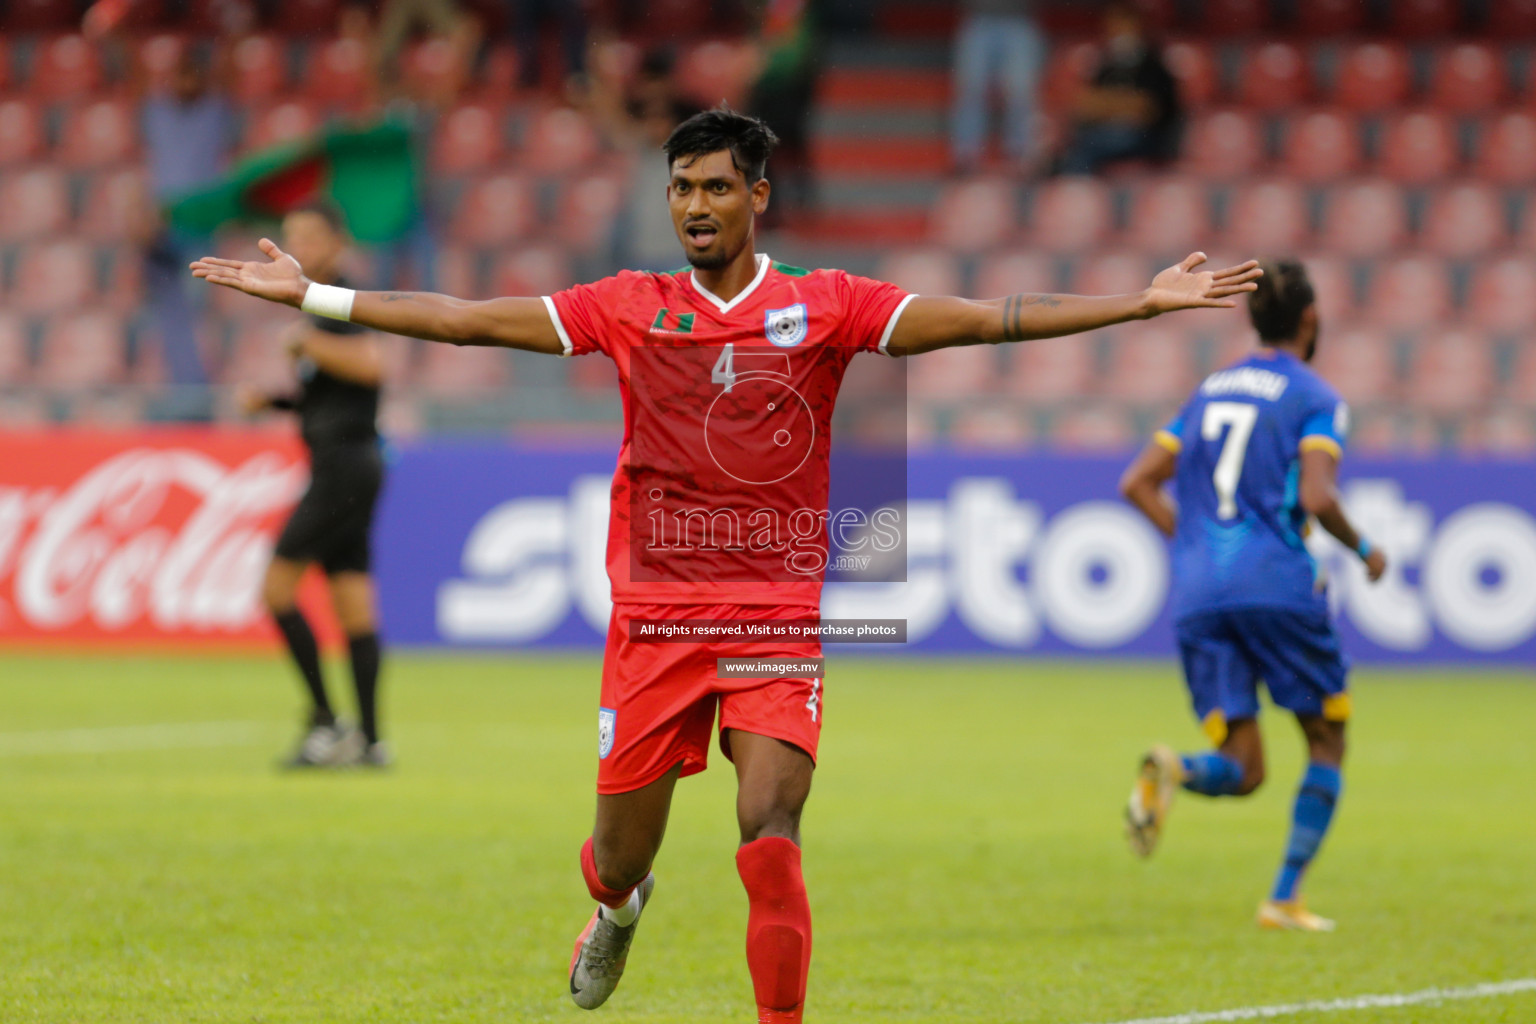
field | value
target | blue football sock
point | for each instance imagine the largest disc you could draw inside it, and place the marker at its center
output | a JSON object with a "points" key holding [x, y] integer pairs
{"points": [[1320, 788], [1212, 774]]}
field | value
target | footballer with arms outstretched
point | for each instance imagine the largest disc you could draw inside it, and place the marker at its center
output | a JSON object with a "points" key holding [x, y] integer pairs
{"points": [[673, 338], [1254, 455]]}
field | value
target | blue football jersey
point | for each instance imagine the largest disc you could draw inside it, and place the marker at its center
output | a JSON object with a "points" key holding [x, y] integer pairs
{"points": [[1239, 441]]}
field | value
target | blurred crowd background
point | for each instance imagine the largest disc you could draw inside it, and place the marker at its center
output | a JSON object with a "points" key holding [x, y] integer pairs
{"points": [[980, 147]]}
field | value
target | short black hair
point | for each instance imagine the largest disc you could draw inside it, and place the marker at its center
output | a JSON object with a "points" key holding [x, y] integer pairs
{"points": [[1283, 295], [327, 210], [749, 140]]}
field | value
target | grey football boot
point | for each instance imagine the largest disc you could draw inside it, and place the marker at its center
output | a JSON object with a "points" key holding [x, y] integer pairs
{"points": [[597, 963]]}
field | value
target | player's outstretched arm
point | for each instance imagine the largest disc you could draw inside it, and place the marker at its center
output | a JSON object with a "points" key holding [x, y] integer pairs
{"points": [[1319, 493], [511, 322], [1142, 486], [934, 322]]}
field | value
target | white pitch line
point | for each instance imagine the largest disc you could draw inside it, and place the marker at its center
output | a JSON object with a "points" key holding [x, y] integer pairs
{"points": [[1429, 995], [162, 736]]}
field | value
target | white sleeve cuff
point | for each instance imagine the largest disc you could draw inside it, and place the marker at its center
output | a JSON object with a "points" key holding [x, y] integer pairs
{"points": [[554, 316], [890, 325]]}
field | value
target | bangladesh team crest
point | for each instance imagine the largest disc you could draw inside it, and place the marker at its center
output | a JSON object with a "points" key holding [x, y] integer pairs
{"points": [[786, 328], [606, 718]]}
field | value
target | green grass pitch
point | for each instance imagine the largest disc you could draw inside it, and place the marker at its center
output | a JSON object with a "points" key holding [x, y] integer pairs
{"points": [[962, 851]]}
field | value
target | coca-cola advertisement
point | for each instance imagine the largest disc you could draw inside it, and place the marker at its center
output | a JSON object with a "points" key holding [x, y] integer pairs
{"points": [[143, 536]]}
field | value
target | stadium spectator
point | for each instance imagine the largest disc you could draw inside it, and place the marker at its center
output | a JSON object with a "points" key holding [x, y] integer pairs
{"points": [[442, 19], [998, 43], [1130, 110], [783, 94], [188, 137], [527, 21], [340, 368]]}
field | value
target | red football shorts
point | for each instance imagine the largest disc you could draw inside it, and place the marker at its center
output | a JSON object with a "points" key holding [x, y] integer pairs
{"points": [[659, 699]]}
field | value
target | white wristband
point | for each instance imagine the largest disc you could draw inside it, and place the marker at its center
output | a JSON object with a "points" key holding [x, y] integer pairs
{"points": [[328, 300]]}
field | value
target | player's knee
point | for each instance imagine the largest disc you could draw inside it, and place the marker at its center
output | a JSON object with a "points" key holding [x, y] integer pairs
{"points": [[617, 871], [1253, 778], [278, 596], [769, 820]]}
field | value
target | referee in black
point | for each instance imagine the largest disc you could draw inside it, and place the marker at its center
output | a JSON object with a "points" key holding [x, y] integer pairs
{"points": [[340, 368]]}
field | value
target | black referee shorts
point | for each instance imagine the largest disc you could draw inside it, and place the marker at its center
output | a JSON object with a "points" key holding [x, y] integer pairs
{"points": [[332, 522]]}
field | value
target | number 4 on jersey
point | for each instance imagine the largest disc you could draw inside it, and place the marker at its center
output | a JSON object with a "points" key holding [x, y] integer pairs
{"points": [[1229, 466], [725, 370]]}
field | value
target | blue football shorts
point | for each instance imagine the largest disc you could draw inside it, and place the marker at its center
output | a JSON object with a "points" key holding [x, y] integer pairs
{"points": [[1294, 653]]}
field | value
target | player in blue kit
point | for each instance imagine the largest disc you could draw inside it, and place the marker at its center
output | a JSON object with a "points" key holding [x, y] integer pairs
{"points": [[1254, 456]]}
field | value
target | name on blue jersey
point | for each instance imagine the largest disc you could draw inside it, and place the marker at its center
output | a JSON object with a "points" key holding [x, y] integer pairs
{"points": [[1246, 380]]}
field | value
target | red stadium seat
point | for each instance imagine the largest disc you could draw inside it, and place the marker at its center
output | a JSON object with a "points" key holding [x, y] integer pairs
{"points": [[975, 215], [32, 203], [494, 211], [1419, 147], [307, 17], [459, 272], [1373, 77], [1014, 272], [1150, 364], [448, 371], [1323, 145], [99, 133], [1170, 217], [1071, 214], [53, 277], [1409, 291], [1506, 149], [1094, 428], [40, 15], [1360, 363], [434, 69], [1329, 18], [1465, 220], [1222, 145], [1235, 17], [1365, 219], [586, 211], [1400, 432], [1503, 431], [1333, 283], [560, 140], [991, 427], [156, 59], [1194, 66], [124, 287], [1274, 76], [338, 73], [86, 349], [283, 122], [957, 373], [1502, 294], [1268, 217], [256, 357], [715, 71], [922, 271], [1051, 368], [65, 67], [1468, 78], [1119, 273], [1511, 19], [498, 78], [21, 131], [1451, 371], [471, 137], [259, 66], [1424, 19], [113, 204], [15, 358], [536, 270], [1521, 387]]}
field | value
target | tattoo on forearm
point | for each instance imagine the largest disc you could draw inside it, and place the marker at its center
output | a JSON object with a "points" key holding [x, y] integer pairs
{"points": [[396, 296], [1013, 313]]}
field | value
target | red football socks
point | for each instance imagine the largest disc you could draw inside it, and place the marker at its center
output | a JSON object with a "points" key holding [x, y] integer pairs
{"points": [[778, 927], [611, 898]]}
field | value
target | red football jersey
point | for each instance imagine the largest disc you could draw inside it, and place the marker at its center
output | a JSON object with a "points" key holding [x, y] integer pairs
{"points": [[720, 495]]}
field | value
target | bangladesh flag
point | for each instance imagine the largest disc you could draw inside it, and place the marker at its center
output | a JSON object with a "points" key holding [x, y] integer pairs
{"points": [[369, 172]]}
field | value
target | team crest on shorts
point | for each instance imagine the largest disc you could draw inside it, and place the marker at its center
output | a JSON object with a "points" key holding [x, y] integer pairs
{"points": [[786, 328], [606, 717]]}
